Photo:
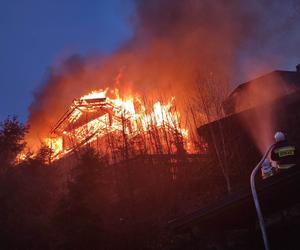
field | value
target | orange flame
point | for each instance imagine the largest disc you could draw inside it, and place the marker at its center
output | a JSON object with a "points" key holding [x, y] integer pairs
{"points": [[104, 112]]}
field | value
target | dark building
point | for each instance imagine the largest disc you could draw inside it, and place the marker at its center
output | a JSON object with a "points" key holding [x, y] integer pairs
{"points": [[263, 89], [228, 220]]}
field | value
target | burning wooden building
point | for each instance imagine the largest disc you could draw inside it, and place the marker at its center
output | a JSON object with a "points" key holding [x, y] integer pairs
{"points": [[119, 128]]}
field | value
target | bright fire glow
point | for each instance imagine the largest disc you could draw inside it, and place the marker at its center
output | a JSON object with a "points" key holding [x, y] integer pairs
{"points": [[106, 120]]}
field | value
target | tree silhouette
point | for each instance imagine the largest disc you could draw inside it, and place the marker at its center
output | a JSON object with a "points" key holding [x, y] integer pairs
{"points": [[12, 134]]}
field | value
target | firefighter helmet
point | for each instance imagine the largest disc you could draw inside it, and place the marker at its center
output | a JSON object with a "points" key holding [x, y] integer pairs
{"points": [[279, 136]]}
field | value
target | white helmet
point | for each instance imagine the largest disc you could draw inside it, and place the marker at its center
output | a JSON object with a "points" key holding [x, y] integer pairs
{"points": [[279, 136]]}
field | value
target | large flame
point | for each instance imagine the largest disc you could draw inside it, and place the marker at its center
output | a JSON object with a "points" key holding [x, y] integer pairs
{"points": [[104, 113]]}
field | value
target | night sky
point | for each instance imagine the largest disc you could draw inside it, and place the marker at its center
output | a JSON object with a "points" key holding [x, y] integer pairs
{"points": [[35, 34]]}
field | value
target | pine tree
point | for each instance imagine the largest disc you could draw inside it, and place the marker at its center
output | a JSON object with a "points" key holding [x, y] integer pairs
{"points": [[12, 133]]}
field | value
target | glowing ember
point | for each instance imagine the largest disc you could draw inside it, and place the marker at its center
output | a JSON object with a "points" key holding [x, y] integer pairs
{"points": [[112, 124]]}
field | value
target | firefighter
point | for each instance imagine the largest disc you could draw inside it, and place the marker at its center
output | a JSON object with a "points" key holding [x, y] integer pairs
{"points": [[283, 154]]}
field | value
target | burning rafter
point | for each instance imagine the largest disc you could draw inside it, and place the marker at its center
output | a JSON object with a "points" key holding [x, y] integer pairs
{"points": [[117, 122]]}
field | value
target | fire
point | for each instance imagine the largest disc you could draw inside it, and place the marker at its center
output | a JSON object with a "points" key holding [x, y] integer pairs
{"points": [[55, 144], [94, 95], [113, 124]]}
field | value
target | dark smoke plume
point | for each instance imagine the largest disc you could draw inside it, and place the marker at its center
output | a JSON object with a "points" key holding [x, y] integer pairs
{"points": [[173, 41]]}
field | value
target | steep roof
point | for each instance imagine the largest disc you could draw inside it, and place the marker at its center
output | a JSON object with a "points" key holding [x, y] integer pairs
{"points": [[265, 88], [291, 77]]}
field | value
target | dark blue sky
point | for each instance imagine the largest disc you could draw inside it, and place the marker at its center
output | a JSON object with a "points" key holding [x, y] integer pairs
{"points": [[34, 34]]}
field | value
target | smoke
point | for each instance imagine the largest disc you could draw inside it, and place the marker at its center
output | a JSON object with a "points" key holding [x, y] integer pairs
{"points": [[173, 41], [261, 95]]}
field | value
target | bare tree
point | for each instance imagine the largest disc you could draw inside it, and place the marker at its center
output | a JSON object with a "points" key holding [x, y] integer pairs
{"points": [[211, 92]]}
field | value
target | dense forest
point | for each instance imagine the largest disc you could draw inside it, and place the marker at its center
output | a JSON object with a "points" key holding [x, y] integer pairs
{"points": [[82, 202]]}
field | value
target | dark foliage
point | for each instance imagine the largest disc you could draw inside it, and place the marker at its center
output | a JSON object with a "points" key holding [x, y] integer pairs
{"points": [[27, 192], [79, 215], [81, 202], [12, 134], [84, 203]]}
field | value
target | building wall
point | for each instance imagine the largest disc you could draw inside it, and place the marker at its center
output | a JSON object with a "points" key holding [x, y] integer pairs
{"points": [[236, 137]]}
